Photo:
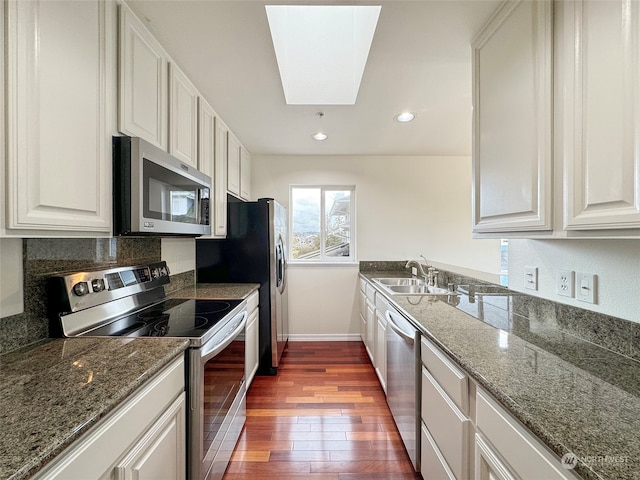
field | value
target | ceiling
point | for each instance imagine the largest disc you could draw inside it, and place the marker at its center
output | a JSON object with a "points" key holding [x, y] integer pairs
{"points": [[420, 61]]}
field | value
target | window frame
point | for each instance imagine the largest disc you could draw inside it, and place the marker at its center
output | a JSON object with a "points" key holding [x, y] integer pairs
{"points": [[324, 259]]}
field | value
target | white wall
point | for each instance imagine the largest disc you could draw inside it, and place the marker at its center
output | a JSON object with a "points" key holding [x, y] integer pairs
{"points": [[615, 262], [405, 207], [179, 253]]}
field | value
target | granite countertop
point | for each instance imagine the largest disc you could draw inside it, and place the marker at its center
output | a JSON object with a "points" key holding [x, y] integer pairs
{"points": [[53, 391], [217, 291], [574, 395]]}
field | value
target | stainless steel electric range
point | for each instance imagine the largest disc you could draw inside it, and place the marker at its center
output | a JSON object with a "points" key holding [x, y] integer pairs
{"points": [[131, 302]]}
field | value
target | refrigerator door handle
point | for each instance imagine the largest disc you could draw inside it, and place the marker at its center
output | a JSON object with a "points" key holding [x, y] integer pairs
{"points": [[281, 265]]}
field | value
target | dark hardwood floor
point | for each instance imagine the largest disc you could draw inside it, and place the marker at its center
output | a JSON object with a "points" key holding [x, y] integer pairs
{"points": [[324, 416]]}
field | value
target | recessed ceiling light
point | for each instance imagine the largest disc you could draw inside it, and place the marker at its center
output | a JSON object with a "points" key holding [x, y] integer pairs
{"points": [[404, 117], [320, 136]]}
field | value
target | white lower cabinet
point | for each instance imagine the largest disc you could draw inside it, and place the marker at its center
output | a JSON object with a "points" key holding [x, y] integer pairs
{"points": [[505, 449], [433, 466], [154, 456], [252, 336], [381, 350], [448, 426], [142, 439]]}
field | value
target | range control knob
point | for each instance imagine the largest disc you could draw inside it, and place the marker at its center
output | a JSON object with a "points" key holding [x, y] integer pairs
{"points": [[97, 285], [155, 273], [81, 289]]}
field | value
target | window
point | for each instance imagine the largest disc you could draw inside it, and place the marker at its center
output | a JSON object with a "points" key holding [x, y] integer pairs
{"points": [[322, 224]]}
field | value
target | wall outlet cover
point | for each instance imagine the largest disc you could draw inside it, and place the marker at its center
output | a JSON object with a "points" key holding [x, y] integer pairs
{"points": [[531, 278], [586, 287], [565, 283]]}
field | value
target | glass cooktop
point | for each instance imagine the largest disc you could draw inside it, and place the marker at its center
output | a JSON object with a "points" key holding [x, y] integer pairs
{"points": [[171, 318]]}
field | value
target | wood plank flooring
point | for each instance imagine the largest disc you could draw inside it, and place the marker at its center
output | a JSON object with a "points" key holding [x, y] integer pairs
{"points": [[323, 417]]}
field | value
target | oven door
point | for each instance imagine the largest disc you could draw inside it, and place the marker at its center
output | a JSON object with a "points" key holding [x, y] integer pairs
{"points": [[217, 400]]}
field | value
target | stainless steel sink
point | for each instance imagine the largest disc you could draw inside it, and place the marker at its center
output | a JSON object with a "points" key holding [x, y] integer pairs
{"points": [[410, 287]]}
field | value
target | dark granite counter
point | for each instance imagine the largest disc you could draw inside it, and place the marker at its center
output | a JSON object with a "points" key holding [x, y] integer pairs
{"points": [[575, 395], [217, 291], [53, 391]]}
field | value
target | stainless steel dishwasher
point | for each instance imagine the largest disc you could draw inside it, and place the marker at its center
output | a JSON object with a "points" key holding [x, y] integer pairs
{"points": [[403, 381]]}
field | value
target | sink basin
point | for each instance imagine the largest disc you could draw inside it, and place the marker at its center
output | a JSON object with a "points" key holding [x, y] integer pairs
{"points": [[399, 281], [410, 286]]}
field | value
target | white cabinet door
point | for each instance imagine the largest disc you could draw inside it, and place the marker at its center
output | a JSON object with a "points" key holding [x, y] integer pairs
{"points": [[143, 82], [512, 123], [60, 102], [488, 464], [3, 158], [363, 317], [245, 174], [381, 350], [219, 225], [207, 140], [161, 452], [252, 352], [371, 332], [601, 112], [233, 165], [183, 117]]}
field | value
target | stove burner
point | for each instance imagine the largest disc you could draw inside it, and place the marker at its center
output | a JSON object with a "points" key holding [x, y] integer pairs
{"points": [[212, 306], [181, 324]]}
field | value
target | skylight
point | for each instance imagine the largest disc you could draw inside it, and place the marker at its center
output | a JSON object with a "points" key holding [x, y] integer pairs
{"points": [[321, 50]]}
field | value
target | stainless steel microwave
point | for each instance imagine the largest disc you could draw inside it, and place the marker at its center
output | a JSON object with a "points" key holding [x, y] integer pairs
{"points": [[154, 193]]}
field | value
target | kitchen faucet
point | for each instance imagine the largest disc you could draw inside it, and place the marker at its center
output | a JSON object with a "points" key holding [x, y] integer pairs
{"points": [[431, 276]]}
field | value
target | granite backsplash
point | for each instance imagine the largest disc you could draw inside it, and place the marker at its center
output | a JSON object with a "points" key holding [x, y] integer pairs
{"points": [[44, 256]]}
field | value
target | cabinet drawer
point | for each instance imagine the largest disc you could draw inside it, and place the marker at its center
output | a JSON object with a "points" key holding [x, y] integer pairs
{"points": [[432, 465], [363, 303], [363, 284], [524, 453], [252, 302], [371, 293], [382, 304], [447, 425], [451, 378]]}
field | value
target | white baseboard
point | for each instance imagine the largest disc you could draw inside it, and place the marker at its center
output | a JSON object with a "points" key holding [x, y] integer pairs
{"points": [[323, 337]]}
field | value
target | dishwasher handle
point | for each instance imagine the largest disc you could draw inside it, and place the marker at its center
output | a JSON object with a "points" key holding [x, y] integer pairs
{"points": [[407, 337]]}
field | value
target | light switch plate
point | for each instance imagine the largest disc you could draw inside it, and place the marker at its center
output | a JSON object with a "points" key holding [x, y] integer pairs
{"points": [[586, 287], [531, 278], [565, 281]]}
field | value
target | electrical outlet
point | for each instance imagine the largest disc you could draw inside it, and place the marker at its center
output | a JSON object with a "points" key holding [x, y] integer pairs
{"points": [[586, 287], [531, 278], [565, 282]]}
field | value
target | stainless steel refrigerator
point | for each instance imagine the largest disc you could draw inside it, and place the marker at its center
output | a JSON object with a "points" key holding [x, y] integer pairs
{"points": [[255, 251]]}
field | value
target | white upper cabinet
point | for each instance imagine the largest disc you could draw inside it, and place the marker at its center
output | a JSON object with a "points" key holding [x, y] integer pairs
{"points": [[245, 174], [512, 108], [233, 165], [219, 225], [143, 82], [60, 102], [601, 113], [206, 138], [212, 153], [183, 117]]}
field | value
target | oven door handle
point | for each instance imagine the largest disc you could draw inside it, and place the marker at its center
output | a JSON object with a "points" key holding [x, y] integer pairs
{"points": [[238, 323]]}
